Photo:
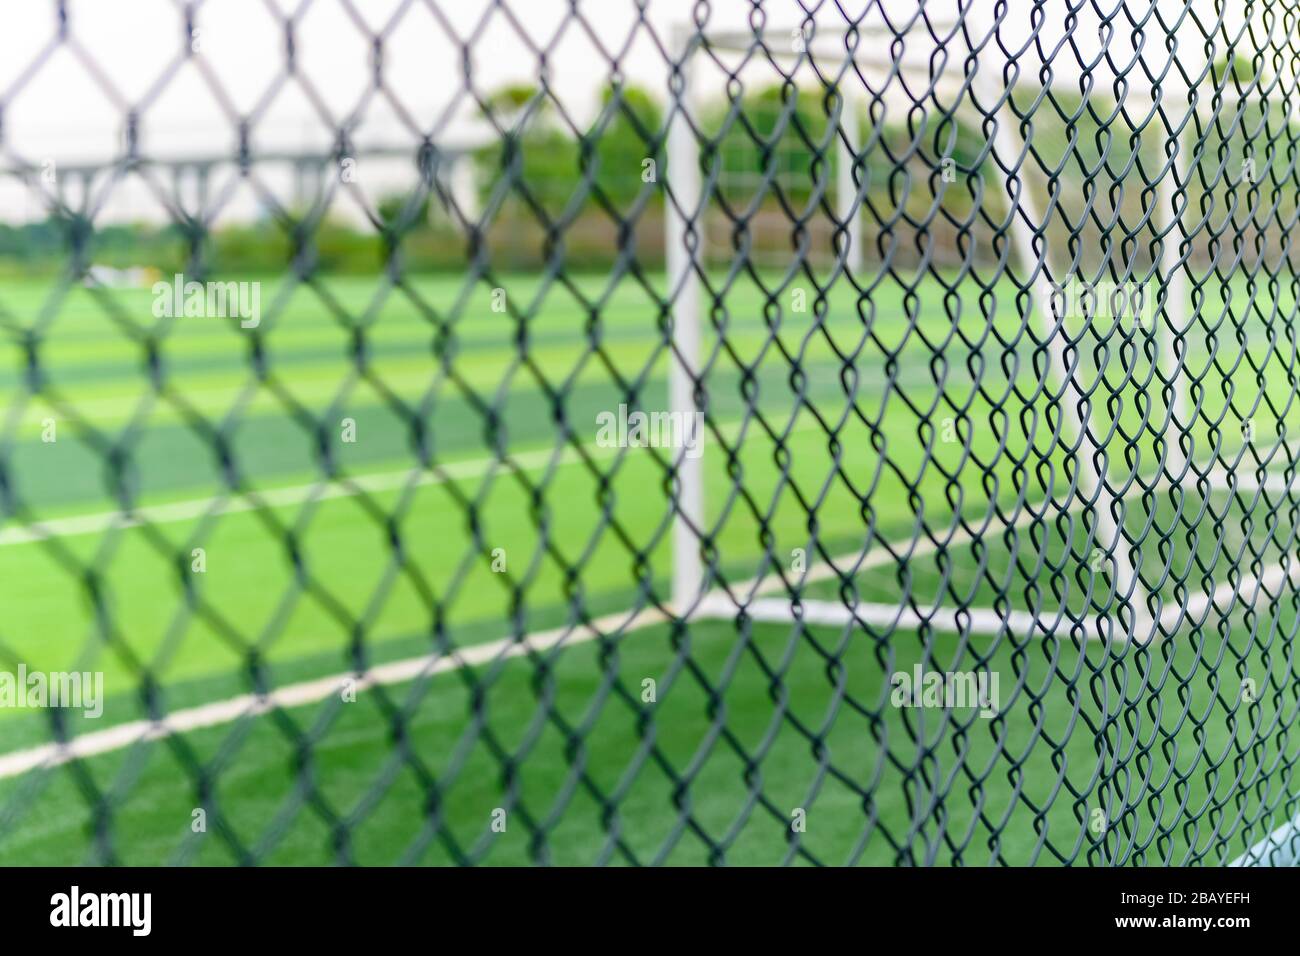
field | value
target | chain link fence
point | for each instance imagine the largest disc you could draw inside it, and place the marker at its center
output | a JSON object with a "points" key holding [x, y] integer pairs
{"points": [[649, 432]]}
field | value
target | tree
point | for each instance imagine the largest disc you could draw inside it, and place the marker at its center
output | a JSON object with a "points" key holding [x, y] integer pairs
{"points": [[533, 159], [777, 133], [631, 134]]}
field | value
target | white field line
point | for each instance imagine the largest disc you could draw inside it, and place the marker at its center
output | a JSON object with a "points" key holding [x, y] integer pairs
{"points": [[825, 570], [237, 502], [1221, 481], [856, 562], [718, 605], [296, 695], [835, 614], [981, 620], [244, 706], [1243, 593], [275, 497], [308, 692]]}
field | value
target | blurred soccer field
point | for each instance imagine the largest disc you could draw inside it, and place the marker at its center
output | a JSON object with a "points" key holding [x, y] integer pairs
{"points": [[827, 423]]}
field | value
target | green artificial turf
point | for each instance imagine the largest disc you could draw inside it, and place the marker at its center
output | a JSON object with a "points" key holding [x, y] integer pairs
{"points": [[504, 406]]}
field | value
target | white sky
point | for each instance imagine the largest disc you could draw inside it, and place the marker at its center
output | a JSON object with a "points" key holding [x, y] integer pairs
{"points": [[62, 112]]}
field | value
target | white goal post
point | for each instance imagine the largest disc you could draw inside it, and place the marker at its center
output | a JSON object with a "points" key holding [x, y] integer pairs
{"points": [[987, 96]]}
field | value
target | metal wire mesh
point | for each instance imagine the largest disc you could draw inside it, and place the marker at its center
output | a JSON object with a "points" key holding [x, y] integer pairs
{"points": [[391, 571]]}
